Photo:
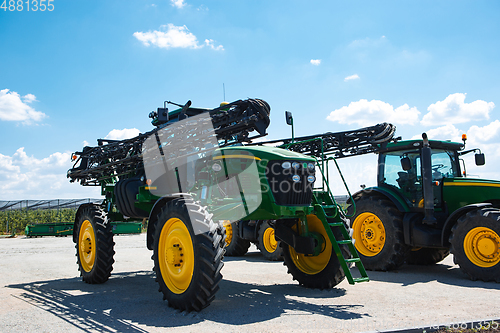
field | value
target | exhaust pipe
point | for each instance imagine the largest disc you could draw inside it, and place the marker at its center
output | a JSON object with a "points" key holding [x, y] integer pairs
{"points": [[427, 182]]}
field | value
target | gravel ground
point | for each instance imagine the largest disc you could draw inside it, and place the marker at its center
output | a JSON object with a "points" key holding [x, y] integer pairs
{"points": [[40, 291]]}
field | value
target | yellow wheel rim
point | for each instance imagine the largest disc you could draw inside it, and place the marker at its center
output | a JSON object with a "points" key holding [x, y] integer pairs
{"points": [[369, 233], [482, 247], [87, 244], [270, 243], [313, 264], [229, 233], [176, 255]]}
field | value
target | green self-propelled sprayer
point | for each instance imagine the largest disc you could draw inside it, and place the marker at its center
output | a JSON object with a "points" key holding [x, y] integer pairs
{"points": [[193, 174]]}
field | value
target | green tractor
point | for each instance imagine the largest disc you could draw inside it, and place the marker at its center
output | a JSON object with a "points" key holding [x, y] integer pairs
{"points": [[191, 175], [424, 207]]}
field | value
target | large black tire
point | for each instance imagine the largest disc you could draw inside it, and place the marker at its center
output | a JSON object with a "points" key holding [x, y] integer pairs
{"points": [[426, 256], [323, 271], [188, 251], [475, 244], [94, 245], [378, 233], [267, 243], [235, 245]]}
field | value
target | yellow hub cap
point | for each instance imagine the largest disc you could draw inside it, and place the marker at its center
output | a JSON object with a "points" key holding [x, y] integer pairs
{"points": [[87, 244], [369, 233], [313, 264], [482, 247], [176, 255], [270, 243], [229, 233]]}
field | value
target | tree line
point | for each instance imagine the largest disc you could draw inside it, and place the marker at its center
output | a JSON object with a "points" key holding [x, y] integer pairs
{"points": [[18, 219]]}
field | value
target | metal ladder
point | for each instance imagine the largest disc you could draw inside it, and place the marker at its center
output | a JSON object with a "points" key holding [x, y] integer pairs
{"points": [[347, 240]]}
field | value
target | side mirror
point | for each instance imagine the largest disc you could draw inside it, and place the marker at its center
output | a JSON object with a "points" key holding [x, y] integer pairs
{"points": [[479, 159], [406, 163], [289, 118]]}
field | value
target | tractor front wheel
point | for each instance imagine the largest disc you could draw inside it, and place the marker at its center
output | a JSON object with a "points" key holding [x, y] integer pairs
{"points": [[322, 271], [188, 251], [267, 243], [378, 231], [475, 244], [94, 247], [235, 245]]}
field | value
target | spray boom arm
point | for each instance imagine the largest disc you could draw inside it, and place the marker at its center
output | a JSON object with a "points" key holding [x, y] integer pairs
{"points": [[341, 144], [232, 123]]}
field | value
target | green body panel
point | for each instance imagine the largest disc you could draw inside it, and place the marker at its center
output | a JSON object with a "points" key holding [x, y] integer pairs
{"points": [[276, 212], [268, 208], [390, 193], [459, 192], [49, 229], [126, 227]]}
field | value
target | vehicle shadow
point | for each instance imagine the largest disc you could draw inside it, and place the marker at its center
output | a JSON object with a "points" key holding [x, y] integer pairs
{"points": [[131, 299], [444, 273]]}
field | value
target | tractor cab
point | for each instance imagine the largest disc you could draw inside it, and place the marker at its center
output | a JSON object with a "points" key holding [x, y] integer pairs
{"points": [[400, 169]]}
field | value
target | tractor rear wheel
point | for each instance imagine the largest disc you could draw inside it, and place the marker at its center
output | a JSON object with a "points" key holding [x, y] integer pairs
{"points": [[94, 247], [267, 243], [188, 251], [378, 231], [235, 245], [426, 256], [475, 244], [322, 271]]}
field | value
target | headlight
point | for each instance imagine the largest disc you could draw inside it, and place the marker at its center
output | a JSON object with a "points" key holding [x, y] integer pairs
{"points": [[311, 179], [295, 165], [296, 178], [216, 167], [310, 166], [286, 165]]}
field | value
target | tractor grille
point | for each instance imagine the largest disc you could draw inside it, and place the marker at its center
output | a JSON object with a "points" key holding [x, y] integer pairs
{"points": [[286, 192]]}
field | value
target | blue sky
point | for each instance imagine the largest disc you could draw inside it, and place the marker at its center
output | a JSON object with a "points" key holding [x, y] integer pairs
{"points": [[74, 74]]}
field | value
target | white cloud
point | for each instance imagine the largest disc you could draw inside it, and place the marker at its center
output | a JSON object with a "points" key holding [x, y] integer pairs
{"points": [[366, 113], [210, 43], [13, 107], [316, 62], [453, 110], [178, 3], [171, 36], [123, 134], [485, 133], [351, 77], [447, 132], [485, 138], [368, 42], [26, 177], [476, 135]]}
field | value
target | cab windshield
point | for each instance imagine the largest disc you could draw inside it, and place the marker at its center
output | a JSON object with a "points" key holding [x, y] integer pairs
{"points": [[409, 182]]}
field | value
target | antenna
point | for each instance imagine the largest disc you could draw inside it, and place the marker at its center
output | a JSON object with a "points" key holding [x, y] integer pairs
{"points": [[223, 91]]}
